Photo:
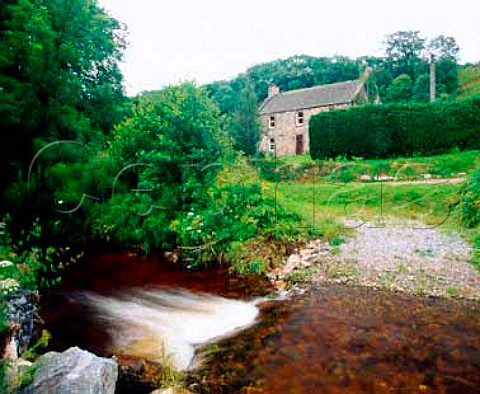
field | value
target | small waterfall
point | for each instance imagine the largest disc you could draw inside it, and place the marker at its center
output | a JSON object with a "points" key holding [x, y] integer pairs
{"points": [[164, 324]]}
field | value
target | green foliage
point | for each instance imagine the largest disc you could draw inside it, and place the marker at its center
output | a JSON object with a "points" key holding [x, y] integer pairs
{"points": [[447, 79], [476, 253], [42, 343], [26, 265], [396, 130], [337, 241], [302, 275], [60, 80], [236, 214], [245, 124], [470, 203], [406, 53], [23, 265], [444, 47], [469, 80], [404, 47], [295, 72], [421, 89], [165, 156]]}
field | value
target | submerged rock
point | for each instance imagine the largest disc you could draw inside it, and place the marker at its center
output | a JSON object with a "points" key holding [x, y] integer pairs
{"points": [[74, 371]]}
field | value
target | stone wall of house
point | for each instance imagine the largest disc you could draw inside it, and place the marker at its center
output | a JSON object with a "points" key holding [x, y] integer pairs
{"points": [[287, 129]]}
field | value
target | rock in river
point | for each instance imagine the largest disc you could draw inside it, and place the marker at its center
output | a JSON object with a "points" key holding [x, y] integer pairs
{"points": [[74, 371]]}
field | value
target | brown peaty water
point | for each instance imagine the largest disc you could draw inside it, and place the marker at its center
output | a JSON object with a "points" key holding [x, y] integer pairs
{"points": [[131, 306], [352, 340], [334, 339]]}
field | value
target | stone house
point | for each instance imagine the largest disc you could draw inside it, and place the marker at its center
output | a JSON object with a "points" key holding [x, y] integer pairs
{"points": [[284, 116]]}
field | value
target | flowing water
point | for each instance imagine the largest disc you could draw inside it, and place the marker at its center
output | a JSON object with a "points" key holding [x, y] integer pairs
{"points": [[166, 323], [333, 339]]}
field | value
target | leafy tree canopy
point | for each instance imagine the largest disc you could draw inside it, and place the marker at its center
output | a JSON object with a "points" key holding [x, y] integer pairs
{"points": [[59, 74], [245, 125]]}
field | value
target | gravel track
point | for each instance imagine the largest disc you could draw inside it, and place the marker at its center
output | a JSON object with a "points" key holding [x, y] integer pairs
{"points": [[421, 261]]}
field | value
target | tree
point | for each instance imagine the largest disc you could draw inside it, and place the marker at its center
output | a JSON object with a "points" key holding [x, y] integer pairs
{"points": [[166, 154], [444, 48], [447, 76], [59, 80], [400, 91], [245, 125], [59, 72], [404, 50], [295, 72], [421, 89]]}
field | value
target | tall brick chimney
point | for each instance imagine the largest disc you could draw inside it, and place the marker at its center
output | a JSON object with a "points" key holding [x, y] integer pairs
{"points": [[273, 90]]}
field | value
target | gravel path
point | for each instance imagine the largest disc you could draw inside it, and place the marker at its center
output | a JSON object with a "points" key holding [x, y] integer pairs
{"points": [[395, 257]]}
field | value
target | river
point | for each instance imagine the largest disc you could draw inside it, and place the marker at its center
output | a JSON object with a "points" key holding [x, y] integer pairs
{"points": [[332, 339]]}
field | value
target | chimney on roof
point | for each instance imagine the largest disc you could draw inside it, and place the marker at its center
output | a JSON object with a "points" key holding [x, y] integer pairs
{"points": [[273, 90]]}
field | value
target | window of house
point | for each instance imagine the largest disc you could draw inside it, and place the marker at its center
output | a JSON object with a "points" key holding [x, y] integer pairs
{"points": [[271, 145], [300, 118], [271, 122]]}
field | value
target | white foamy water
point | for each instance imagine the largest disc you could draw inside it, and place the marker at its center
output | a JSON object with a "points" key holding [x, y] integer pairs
{"points": [[162, 324]]}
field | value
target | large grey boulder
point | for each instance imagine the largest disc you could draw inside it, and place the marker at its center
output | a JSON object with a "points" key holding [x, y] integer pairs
{"points": [[74, 371]]}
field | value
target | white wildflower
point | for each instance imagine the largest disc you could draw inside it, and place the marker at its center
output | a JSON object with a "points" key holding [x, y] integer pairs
{"points": [[5, 263], [8, 285]]}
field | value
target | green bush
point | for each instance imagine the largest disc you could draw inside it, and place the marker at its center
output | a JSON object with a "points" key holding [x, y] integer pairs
{"points": [[234, 217], [470, 202], [25, 265], [392, 130]]}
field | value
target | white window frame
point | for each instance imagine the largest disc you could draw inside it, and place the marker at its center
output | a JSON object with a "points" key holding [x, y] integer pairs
{"points": [[272, 145], [271, 122], [298, 117]]}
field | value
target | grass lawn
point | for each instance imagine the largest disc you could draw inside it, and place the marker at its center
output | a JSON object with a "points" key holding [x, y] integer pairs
{"points": [[446, 165], [326, 206], [335, 195]]}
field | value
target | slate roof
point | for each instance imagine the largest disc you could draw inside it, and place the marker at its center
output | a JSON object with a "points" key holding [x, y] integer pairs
{"points": [[317, 96]]}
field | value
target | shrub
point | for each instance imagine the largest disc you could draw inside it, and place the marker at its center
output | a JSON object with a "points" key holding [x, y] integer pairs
{"points": [[235, 216], [470, 202], [24, 264], [379, 131]]}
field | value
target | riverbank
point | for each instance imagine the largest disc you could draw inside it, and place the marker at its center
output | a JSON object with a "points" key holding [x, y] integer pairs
{"points": [[392, 255]]}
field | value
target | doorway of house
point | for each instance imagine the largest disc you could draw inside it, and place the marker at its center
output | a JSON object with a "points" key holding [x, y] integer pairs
{"points": [[299, 146]]}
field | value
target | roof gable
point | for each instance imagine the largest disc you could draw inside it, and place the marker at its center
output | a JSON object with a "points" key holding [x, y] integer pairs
{"points": [[317, 96]]}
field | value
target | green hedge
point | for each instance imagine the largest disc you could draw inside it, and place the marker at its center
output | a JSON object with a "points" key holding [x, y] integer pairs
{"points": [[379, 131]]}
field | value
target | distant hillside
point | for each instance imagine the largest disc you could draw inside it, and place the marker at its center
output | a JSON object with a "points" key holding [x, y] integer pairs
{"points": [[393, 80], [469, 81]]}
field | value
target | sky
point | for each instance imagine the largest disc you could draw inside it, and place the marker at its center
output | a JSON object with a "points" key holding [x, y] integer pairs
{"points": [[208, 40]]}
